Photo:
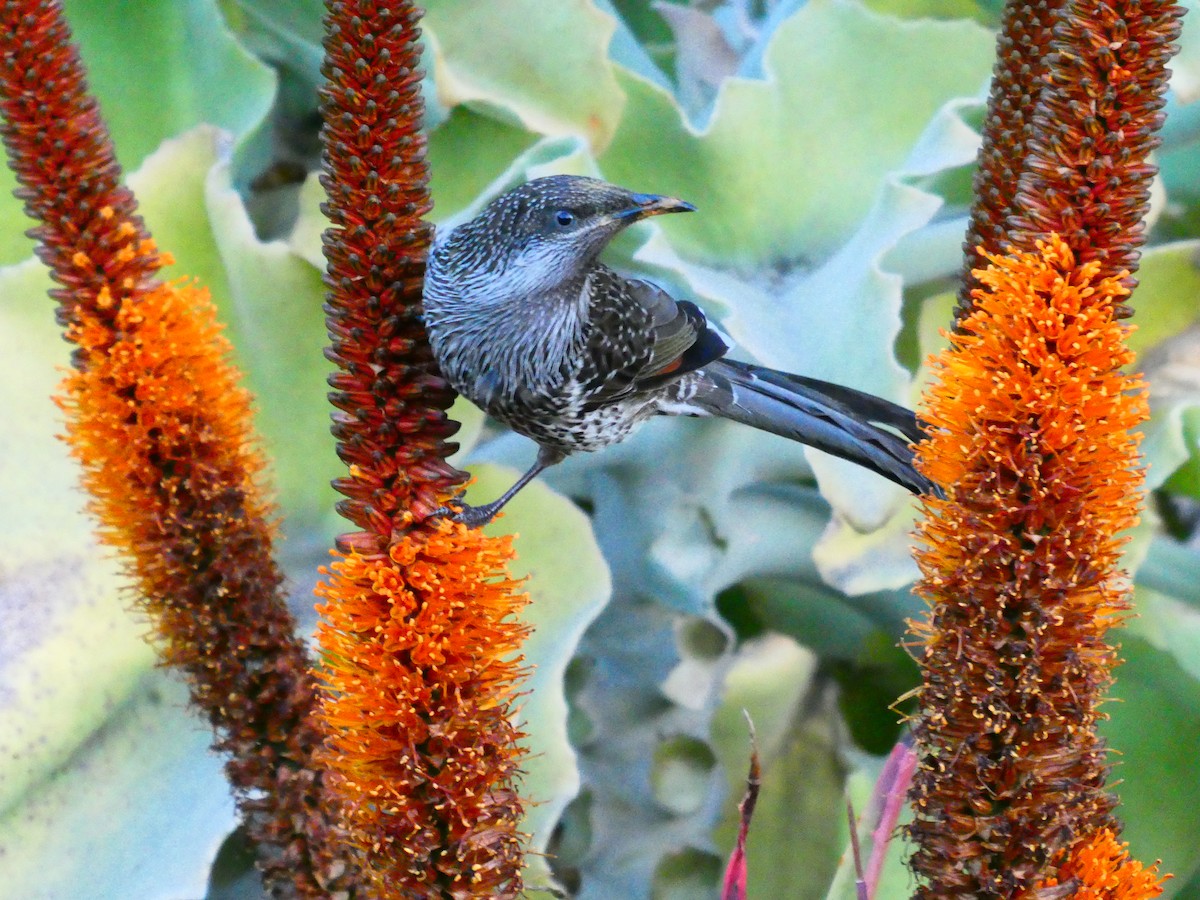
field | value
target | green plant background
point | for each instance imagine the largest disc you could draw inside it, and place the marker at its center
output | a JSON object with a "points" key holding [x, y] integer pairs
{"points": [[694, 572]]}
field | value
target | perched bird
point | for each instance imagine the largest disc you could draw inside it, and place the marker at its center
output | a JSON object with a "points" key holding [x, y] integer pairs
{"points": [[527, 323]]}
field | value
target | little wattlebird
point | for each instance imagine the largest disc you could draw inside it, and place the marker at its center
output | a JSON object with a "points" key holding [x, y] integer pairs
{"points": [[526, 322]]}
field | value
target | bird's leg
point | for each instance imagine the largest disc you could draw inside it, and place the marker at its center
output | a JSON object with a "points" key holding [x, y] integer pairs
{"points": [[477, 516]]}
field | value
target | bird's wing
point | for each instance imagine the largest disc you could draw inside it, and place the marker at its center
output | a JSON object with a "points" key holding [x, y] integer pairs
{"points": [[639, 337]]}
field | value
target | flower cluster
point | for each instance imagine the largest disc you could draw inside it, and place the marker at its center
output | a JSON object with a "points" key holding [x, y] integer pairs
{"points": [[1031, 424], [420, 640], [421, 655], [1099, 868], [161, 429], [1031, 427]]}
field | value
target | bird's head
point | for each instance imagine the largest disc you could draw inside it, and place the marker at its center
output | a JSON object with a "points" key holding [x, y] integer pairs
{"points": [[548, 230]]}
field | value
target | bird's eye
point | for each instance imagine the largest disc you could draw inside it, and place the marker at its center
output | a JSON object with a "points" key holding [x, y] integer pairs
{"points": [[564, 217]]}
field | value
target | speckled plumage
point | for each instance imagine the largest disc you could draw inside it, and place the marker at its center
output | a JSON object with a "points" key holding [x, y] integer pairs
{"points": [[527, 323]]}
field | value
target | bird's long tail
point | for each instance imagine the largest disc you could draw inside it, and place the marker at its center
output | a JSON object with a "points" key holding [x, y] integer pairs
{"points": [[838, 420]]}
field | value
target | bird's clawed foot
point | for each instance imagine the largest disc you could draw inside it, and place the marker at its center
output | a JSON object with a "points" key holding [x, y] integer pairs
{"points": [[478, 516], [471, 516]]}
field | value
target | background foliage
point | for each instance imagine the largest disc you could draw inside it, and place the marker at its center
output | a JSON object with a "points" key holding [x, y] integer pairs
{"points": [[699, 569]]}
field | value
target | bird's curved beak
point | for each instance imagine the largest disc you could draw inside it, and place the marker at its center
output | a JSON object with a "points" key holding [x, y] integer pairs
{"points": [[646, 205]]}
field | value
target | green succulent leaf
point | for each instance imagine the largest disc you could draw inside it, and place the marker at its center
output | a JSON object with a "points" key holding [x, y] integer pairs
{"points": [[184, 68], [642, 42], [1168, 344], [467, 154], [1165, 301], [984, 11], [139, 810], [644, 686], [760, 207], [770, 683], [544, 65], [569, 585], [281, 32], [1154, 728]]}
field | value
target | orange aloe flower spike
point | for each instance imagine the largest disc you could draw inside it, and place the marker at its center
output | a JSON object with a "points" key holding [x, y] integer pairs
{"points": [[420, 644], [1031, 427], [161, 428], [1031, 424]]}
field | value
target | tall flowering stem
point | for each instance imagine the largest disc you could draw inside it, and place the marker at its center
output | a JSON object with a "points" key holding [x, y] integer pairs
{"points": [[420, 642], [1031, 420], [1031, 431], [161, 428]]}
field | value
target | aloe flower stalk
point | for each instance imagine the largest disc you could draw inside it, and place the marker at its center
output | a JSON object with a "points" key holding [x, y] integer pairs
{"points": [[1031, 427], [160, 425], [420, 642], [1032, 420]]}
